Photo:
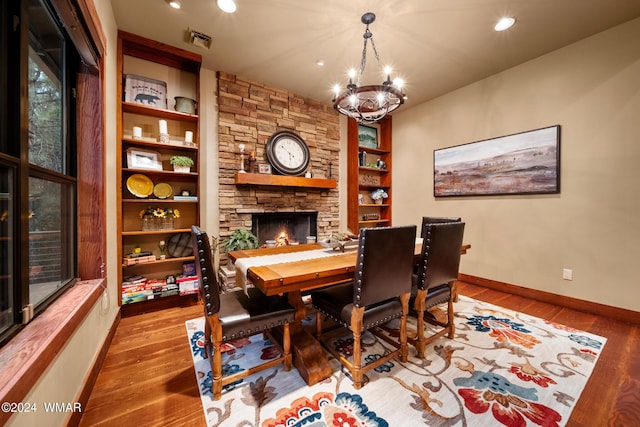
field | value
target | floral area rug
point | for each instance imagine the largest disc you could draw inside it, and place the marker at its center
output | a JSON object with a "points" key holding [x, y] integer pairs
{"points": [[502, 368]]}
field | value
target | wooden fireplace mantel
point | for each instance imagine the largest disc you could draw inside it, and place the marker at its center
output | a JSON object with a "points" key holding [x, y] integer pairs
{"points": [[283, 181]]}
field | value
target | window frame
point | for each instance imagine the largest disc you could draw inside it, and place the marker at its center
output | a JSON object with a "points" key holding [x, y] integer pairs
{"points": [[15, 44]]}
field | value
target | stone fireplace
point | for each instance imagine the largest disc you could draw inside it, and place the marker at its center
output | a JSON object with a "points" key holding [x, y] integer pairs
{"points": [[284, 228], [249, 113]]}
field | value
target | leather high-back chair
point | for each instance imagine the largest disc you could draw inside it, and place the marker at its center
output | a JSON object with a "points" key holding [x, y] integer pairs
{"points": [[435, 280], [235, 315], [379, 292], [437, 220]]}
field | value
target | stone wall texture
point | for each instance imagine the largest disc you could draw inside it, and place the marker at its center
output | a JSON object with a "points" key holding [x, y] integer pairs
{"points": [[249, 113]]}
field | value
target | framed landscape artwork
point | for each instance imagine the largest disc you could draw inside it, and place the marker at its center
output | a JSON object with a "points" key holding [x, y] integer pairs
{"points": [[523, 163], [367, 136]]}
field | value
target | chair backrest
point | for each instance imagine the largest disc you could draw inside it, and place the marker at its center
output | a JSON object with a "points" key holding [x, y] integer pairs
{"points": [[437, 220], [440, 258], [207, 280], [384, 264]]}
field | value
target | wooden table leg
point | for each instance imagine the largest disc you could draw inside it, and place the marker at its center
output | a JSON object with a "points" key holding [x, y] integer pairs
{"points": [[308, 355]]}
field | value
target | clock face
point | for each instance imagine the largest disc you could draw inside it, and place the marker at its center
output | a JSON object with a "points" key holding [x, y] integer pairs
{"points": [[288, 153]]}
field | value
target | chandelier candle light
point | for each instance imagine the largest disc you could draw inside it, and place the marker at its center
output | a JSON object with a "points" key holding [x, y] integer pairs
{"points": [[368, 104]]}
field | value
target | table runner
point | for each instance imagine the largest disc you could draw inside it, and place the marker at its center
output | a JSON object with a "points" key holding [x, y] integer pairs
{"points": [[243, 264]]}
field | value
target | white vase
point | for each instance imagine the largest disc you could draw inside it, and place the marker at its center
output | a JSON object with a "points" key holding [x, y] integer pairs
{"points": [[183, 169]]}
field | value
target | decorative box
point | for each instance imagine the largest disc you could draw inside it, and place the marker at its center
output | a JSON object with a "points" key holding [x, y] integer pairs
{"points": [[146, 91], [188, 269], [188, 285]]}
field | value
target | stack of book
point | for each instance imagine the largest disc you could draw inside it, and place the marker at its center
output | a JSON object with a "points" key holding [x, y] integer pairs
{"points": [[138, 258], [134, 289], [188, 198], [161, 288], [138, 288]]}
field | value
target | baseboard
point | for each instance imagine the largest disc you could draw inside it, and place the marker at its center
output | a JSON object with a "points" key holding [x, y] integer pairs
{"points": [[616, 313], [91, 377]]}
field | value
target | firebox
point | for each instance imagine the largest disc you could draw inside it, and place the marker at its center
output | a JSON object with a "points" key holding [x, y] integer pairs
{"points": [[284, 228]]}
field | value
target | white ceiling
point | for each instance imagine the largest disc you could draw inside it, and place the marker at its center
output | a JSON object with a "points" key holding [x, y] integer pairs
{"points": [[436, 46]]}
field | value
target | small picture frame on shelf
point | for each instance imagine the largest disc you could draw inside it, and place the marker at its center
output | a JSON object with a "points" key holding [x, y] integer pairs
{"points": [[143, 159], [367, 137], [264, 168]]}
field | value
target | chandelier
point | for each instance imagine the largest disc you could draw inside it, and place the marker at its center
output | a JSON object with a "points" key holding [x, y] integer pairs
{"points": [[368, 104]]}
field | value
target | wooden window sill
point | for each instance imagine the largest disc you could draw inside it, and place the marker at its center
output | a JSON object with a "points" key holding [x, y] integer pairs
{"points": [[28, 355]]}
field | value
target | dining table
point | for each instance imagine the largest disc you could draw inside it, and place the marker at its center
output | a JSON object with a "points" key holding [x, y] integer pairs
{"points": [[294, 270]]}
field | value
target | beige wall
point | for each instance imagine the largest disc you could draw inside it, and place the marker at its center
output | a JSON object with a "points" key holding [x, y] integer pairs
{"points": [[592, 90]]}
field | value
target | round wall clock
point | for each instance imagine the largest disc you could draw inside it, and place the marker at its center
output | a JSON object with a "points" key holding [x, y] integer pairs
{"points": [[287, 153]]}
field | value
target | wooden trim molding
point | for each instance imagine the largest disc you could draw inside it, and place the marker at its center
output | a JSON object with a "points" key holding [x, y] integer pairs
{"points": [[28, 355], [611, 312], [83, 26]]}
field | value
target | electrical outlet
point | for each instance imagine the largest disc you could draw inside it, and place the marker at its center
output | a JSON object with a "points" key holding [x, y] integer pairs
{"points": [[567, 274]]}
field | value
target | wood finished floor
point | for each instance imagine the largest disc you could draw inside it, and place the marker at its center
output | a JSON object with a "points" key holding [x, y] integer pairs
{"points": [[148, 378]]}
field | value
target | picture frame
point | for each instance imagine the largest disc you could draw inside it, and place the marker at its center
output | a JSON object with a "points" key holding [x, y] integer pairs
{"points": [[368, 137], [143, 159], [521, 163], [264, 168]]}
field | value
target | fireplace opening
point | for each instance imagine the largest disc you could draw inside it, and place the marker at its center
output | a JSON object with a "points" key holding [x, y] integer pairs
{"points": [[284, 228]]}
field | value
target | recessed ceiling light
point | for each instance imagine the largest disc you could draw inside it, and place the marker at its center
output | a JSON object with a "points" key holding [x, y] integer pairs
{"points": [[504, 23], [174, 4], [228, 6], [320, 63]]}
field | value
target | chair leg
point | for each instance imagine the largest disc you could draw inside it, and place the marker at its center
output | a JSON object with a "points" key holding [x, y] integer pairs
{"points": [[318, 324], [286, 347], [207, 338], [216, 364], [454, 291], [421, 342], [404, 347], [450, 325], [356, 328]]}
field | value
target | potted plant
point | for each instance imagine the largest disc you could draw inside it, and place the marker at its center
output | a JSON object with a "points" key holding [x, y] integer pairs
{"points": [[181, 163], [379, 195], [240, 239]]}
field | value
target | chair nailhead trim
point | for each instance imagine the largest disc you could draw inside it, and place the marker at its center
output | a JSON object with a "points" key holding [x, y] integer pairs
{"points": [[367, 326], [254, 331]]}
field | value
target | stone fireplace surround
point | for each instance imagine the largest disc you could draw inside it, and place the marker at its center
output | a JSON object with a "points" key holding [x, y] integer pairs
{"points": [[249, 113]]}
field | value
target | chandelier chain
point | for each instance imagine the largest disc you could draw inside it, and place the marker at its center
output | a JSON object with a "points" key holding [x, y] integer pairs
{"points": [[363, 61]]}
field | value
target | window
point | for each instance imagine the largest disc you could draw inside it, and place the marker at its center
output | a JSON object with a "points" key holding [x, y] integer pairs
{"points": [[38, 187], [7, 225]]}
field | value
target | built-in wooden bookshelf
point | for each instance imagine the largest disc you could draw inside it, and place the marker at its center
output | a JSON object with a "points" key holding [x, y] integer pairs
{"points": [[180, 70], [364, 176]]}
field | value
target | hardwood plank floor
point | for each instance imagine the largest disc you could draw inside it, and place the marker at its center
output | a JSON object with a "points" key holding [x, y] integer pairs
{"points": [[148, 379]]}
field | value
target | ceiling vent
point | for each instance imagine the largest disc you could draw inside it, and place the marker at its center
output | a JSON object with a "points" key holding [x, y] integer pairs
{"points": [[199, 39]]}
